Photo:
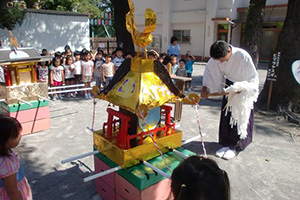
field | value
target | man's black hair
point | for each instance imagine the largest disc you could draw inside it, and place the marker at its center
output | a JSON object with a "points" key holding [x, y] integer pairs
{"points": [[166, 60], [219, 49], [150, 53]]}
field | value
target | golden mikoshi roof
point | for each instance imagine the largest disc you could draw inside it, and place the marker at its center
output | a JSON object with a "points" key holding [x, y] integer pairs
{"points": [[140, 86]]}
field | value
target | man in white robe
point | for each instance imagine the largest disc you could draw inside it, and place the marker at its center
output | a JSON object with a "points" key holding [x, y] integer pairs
{"points": [[229, 65]]}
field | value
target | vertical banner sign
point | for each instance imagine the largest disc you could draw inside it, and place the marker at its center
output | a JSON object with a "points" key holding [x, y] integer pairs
{"points": [[272, 75]]}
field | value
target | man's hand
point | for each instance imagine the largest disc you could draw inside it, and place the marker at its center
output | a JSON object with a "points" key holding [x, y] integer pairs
{"points": [[204, 92]]}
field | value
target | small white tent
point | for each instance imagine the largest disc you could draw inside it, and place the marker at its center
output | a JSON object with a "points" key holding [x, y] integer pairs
{"points": [[51, 30]]}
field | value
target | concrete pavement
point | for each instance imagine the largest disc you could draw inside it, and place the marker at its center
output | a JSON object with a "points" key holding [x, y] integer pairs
{"points": [[267, 169]]}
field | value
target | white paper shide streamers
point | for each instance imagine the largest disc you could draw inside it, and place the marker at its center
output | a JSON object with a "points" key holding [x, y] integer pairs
{"points": [[241, 98]]}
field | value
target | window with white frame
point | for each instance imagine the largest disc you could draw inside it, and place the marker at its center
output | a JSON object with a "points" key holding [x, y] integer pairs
{"points": [[183, 36]]}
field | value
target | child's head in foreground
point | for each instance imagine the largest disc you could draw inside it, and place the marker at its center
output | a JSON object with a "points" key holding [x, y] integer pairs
{"points": [[198, 178], [10, 134]]}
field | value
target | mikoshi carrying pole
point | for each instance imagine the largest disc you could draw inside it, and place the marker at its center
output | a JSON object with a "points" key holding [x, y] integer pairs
{"points": [[159, 171], [89, 178], [46, 99], [180, 154], [26, 102], [119, 167], [66, 86], [79, 156]]}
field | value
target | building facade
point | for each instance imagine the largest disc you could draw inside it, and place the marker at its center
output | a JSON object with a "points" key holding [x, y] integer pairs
{"points": [[198, 23]]}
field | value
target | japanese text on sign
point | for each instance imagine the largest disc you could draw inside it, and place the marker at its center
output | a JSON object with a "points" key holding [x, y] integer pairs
{"points": [[271, 75]]}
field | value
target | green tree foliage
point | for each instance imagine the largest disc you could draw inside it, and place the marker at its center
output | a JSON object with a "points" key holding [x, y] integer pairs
{"points": [[82, 6], [9, 15], [30, 3]]}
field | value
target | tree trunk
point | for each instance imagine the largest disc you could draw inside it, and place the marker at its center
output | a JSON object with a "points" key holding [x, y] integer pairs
{"points": [[286, 90], [254, 23], [124, 38]]}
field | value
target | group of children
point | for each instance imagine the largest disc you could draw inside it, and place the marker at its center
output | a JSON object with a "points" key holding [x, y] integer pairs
{"points": [[79, 67], [196, 178], [84, 67], [176, 66]]}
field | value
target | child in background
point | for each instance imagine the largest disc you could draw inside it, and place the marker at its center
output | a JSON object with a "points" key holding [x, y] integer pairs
{"points": [[127, 55], [109, 70], [57, 76], [174, 64], [118, 59], [94, 56], [181, 71], [69, 76], [161, 57], [65, 54], [98, 69], [113, 54], [43, 72], [13, 183], [44, 52], [87, 70], [77, 70], [198, 178], [189, 68]]}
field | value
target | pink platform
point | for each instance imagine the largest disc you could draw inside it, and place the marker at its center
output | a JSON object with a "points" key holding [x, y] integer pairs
{"points": [[114, 186], [100, 166], [158, 191], [31, 114], [35, 126], [118, 197], [104, 190]]}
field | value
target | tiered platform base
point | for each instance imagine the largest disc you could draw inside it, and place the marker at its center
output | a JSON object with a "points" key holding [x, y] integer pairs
{"points": [[33, 118], [138, 182]]}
